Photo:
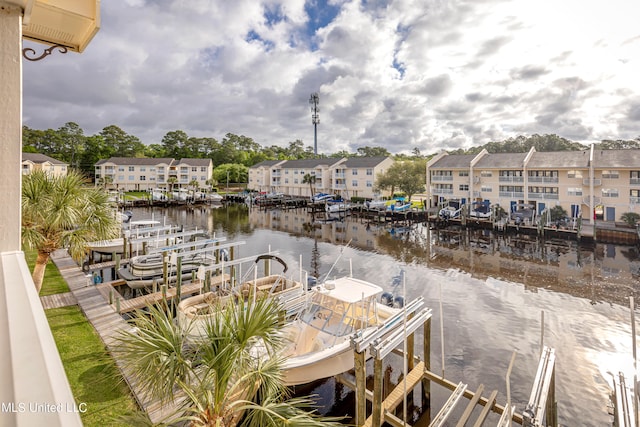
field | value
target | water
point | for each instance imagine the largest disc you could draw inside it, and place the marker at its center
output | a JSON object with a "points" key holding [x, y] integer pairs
{"points": [[493, 290]]}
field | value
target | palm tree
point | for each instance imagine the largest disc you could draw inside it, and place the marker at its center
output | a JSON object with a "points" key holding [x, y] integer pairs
{"points": [[311, 180], [63, 212], [213, 381]]}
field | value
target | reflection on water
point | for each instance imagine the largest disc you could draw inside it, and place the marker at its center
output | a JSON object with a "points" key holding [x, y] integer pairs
{"points": [[493, 290]]}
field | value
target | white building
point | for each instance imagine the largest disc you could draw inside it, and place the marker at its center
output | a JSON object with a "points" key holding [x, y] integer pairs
{"points": [[140, 174], [35, 161]]}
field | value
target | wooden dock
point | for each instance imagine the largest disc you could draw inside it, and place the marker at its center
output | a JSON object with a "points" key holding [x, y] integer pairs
{"points": [[107, 323], [58, 300]]}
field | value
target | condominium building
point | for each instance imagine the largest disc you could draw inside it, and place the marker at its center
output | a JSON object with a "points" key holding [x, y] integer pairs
{"points": [[139, 174], [604, 183], [347, 177], [35, 161]]}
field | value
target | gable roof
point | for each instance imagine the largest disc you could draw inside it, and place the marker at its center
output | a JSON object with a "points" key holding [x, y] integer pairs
{"points": [[310, 163], [40, 158], [364, 162], [136, 161], [194, 162]]}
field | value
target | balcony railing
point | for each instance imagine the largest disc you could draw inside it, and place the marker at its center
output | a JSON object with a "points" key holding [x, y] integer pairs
{"points": [[511, 179], [441, 178], [596, 182], [634, 200], [511, 194], [544, 196], [634, 181], [544, 179], [442, 191]]}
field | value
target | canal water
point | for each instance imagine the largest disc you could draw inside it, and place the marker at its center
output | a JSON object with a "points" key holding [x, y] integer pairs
{"points": [[493, 290]]}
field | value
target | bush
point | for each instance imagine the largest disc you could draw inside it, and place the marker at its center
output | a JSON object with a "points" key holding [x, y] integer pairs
{"points": [[630, 218]]}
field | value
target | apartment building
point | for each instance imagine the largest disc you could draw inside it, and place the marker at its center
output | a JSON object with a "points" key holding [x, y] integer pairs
{"points": [[35, 161], [604, 183], [347, 177], [140, 174]]}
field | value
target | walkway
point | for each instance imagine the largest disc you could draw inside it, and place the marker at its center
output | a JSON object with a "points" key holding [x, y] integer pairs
{"points": [[107, 323], [58, 300]]}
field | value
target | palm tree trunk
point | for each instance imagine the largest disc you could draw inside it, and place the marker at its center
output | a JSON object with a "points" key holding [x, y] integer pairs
{"points": [[38, 269]]}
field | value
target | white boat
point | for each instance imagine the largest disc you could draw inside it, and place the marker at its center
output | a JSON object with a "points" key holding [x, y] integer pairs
{"points": [[143, 270], [337, 207], [322, 197], [158, 195], [379, 205], [130, 228], [480, 209], [399, 207], [318, 341], [196, 312], [452, 209]]}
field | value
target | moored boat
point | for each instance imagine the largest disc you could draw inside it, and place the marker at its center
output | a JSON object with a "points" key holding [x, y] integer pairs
{"points": [[318, 341]]}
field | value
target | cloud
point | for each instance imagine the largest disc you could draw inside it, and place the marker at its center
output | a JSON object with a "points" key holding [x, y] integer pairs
{"points": [[399, 74]]}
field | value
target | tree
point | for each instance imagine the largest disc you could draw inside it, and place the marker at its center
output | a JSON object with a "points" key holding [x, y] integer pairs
{"points": [[171, 181], [413, 177], [62, 212], [311, 180], [631, 218], [236, 173], [372, 152], [221, 380], [122, 144]]}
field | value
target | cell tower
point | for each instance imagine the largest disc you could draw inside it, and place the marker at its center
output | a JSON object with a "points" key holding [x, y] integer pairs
{"points": [[315, 119]]}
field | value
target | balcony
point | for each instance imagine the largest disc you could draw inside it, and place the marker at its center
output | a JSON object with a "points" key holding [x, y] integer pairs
{"points": [[511, 194], [543, 196], [543, 179], [634, 181], [340, 175], [442, 191], [596, 200], [441, 178], [511, 179], [596, 182]]}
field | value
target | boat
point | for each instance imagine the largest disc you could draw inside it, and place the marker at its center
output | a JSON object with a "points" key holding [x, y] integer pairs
{"points": [[317, 342], [337, 207], [143, 270], [399, 207], [158, 195], [196, 312], [322, 197], [451, 210], [376, 204], [480, 209], [132, 228]]}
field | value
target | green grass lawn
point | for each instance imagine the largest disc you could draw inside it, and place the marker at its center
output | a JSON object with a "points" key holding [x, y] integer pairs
{"points": [[92, 373], [53, 283]]}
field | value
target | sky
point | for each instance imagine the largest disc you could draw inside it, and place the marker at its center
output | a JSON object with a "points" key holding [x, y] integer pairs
{"points": [[428, 74]]}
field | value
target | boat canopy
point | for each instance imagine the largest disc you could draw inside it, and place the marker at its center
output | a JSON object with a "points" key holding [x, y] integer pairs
{"points": [[349, 289]]}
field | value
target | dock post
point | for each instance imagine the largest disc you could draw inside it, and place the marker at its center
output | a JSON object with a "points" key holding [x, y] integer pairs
{"points": [[178, 278], [125, 253], [376, 414], [118, 305], [361, 387], [111, 296], [117, 258], [426, 384]]}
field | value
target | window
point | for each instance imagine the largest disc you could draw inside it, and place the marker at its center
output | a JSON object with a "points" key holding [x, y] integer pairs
{"points": [[486, 174], [486, 189], [203, 178], [574, 191], [369, 172], [463, 173], [354, 171], [184, 169], [203, 168], [441, 173], [132, 178], [369, 184], [463, 187], [132, 168], [120, 177], [295, 172], [194, 169], [152, 178], [120, 168], [143, 178], [295, 181], [286, 180], [574, 174], [609, 192], [510, 173], [161, 169], [143, 169], [610, 174], [354, 183]]}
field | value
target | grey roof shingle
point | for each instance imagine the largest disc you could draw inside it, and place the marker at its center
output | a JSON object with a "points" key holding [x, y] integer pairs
{"points": [[194, 162], [453, 161], [136, 161], [560, 160], [364, 162], [502, 160], [310, 163], [41, 158]]}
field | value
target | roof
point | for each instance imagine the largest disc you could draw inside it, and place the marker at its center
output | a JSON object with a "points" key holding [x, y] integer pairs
{"points": [[40, 158], [194, 162], [454, 161], [267, 163], [310, 163], [141, 161], [560, 160], [502, 160], [351, 290], [627, 159], [364, 162]]}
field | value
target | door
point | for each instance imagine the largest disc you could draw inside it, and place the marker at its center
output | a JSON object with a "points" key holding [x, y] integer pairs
{"points": [[541, 207], [611, 214]]}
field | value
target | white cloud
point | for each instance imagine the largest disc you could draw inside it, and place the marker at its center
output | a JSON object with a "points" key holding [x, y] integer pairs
{"points": [[401, 74]]}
